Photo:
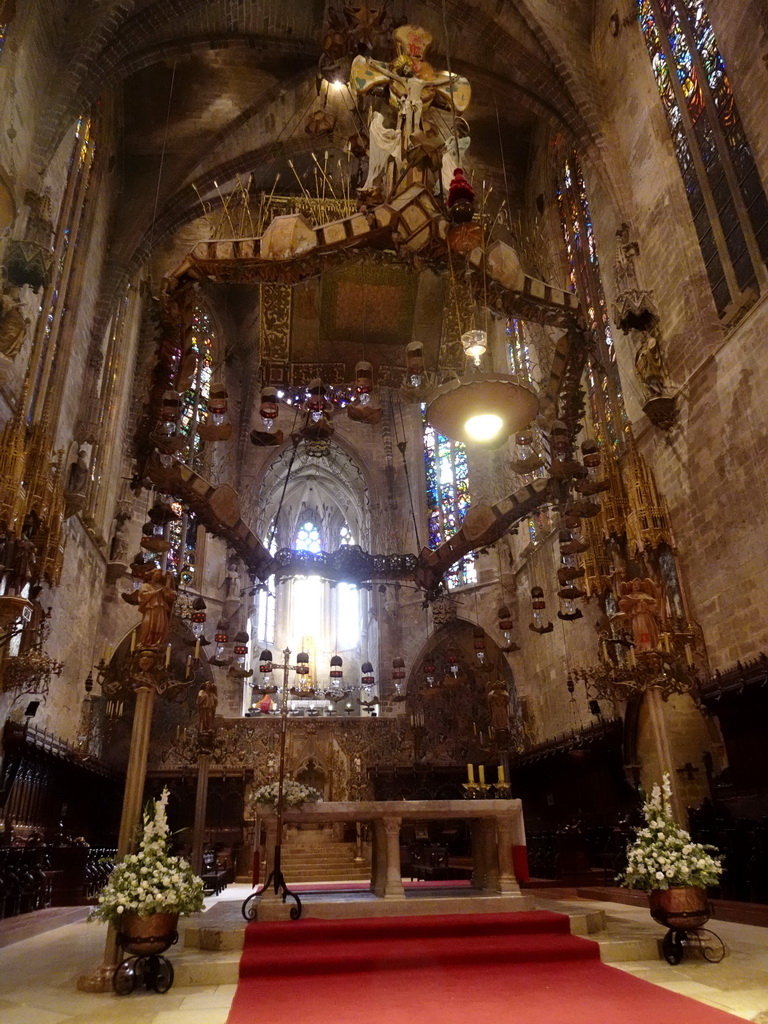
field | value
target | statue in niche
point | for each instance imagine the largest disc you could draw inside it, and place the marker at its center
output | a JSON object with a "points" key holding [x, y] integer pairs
{"points": [[640, 602], [498, 705], [207, 702], [118, 551], [624, 264], [78, 474], [13, 325], [648, 366], [157, 595]]}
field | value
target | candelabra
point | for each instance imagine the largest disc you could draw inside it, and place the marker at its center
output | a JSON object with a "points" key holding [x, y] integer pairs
{"points": [[276, 879], [624, 672]]}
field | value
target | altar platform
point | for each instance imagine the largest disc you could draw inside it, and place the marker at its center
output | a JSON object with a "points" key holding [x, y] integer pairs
{"points": [[497, 834]]}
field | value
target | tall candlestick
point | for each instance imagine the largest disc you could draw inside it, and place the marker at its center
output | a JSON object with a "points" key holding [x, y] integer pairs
{"points": [[471, 773], [133, 641], [502, 777], [689, 654], [481, 771], [197, 650], [167, 655]]}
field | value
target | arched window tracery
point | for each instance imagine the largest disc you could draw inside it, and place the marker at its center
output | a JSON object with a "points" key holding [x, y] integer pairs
{"points": [[724, 191]]}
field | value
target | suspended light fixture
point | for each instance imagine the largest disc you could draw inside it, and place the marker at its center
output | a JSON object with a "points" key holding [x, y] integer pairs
{"points": [[198, 616], [475, 343], [482, 409], [414, 362], [337, 669], [265, 667], [506, 623], [268, 409], [539, 604], [363, 382], [398, 675], [478, 636]]}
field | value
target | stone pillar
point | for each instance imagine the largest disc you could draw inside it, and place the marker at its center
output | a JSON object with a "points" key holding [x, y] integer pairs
{"points": [[378, 858], [491, 854], [101, 979], [479, 861], [657, 715], [201, 806], [393, 888], [504, 838]]}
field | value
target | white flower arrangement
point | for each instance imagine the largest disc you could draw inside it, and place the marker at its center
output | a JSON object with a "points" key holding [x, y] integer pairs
{"points": [[663, 855], [150, 881], [294, 794]]}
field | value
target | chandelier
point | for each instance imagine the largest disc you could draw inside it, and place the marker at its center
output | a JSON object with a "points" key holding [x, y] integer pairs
{"points": [[624, 672]]}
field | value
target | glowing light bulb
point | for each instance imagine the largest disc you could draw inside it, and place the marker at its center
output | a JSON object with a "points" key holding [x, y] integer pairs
{"points": [[483, 427]]}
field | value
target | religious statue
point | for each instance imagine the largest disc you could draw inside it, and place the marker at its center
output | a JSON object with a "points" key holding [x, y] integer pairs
{"points": [[498, 704], [624, 264], [456, 147], [207, 700], [118, 551], [13, 325], [157, 595], [78, 474], [648, 366], [640, 601], [413, 86]]}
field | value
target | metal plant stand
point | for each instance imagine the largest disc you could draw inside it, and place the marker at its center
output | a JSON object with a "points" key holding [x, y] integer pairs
{"points": [[701, 940], [276, 878], [152, 970]]}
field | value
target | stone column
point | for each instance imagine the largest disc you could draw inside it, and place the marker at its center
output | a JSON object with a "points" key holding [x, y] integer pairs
{"points": [[479, 860], [201, 806], [101, 979], [378, 859], [491, 854], [657, 715], [393, 888], [504, 837]]}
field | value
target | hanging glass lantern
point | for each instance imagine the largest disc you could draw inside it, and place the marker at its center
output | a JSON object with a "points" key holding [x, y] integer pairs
{"points": [[269, 408], [240, 648], [169, 412], [217, 404], [316, 404], [337, 670], [302, 664], [506, 623], [539, 604], [367, 680], [364, 382], [398, 675], [221, 636], [475, 343], [198, 616], [478, 639], [429, 672], [453, 661], [414, 362], [265, 666]]}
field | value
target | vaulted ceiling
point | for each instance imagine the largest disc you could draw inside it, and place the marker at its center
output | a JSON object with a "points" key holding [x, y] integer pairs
{"points": [[212, 89]]}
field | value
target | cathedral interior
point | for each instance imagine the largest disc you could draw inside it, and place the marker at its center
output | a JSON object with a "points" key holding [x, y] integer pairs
{"points": [[383, 375]]}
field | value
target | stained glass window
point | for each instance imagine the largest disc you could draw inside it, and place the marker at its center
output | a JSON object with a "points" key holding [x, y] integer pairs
{"points": [[3, 35], [724, 191], [448, 497], [518, 349], [607, 403], [194, 407], [182, 534], [308, 538]]}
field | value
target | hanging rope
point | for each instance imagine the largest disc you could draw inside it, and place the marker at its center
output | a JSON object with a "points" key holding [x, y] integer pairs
{"points": [[162, 161], [402, 445], [296, 439]]}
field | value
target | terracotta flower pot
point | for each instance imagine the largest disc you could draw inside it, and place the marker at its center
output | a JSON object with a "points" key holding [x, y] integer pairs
{"points": [[144, 935], [683, 907]]}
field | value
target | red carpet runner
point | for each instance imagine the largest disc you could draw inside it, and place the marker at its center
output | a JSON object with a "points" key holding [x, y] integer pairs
{"points": [[525, 968]]}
